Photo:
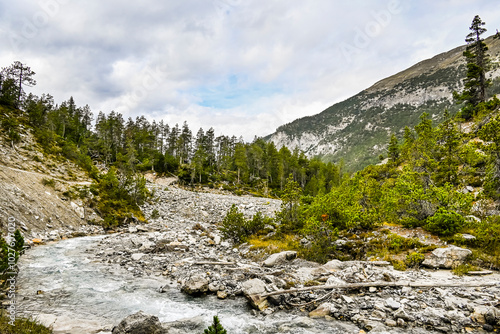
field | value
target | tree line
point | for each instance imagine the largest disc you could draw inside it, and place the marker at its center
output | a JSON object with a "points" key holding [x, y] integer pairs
{"points": [[126, 148]]}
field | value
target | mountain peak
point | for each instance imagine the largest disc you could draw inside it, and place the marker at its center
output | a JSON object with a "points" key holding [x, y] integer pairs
{"points": [[358, 129]]}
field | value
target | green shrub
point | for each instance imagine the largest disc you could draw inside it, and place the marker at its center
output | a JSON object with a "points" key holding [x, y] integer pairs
{"points": [[10, 125], [257, 223], [216, 328], [445, 223], [22, 326], [49, 182], [233, 225], [414, 260], [6, 247], [236, 228], [155, 214], [399, 265], [463, 269]]}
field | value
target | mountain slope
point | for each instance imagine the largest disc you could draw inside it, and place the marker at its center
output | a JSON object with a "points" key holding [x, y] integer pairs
{"points": [[358, 129]]}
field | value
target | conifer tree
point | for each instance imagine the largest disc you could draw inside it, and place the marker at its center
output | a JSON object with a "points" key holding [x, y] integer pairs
{"points": [[216, 327], [21, 75], [393, 150], [478, 64], [447, 149]]}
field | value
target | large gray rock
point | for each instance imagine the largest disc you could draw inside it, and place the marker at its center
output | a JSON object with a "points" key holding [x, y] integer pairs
{"points": [[195, 285], [252, 289], [139, 323], [277, 258], [446, 258], [492, 316], [186, 326], [253, 286]]}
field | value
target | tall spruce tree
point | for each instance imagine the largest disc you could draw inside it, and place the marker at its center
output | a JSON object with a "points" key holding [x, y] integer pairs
{"points": [[478, 63], [393, 149]]}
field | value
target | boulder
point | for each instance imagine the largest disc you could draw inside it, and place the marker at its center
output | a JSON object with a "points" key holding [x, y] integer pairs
{"points": [[492, 316], [139, 323], [253, 286], [137, 256], [252, 289], [391, 303], [333, 265], [188, 325], [446, 257], [195, 285], [277, 258], [222, 294], [323, 310]]}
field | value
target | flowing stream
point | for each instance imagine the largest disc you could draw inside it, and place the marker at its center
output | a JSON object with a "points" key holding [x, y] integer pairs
{"points": [[60, 286]]}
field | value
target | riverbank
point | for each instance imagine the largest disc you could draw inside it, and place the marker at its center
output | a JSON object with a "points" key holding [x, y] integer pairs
{"points": [[182, 250]]}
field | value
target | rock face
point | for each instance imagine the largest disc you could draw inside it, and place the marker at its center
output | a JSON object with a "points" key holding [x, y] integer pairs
{"points": [[195, 285], [279, 258], [447, 257], [357, 129], [139, 323]]}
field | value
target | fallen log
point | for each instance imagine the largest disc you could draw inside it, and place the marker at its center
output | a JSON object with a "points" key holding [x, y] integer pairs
{"points": [[382, 284], [215, 263]]}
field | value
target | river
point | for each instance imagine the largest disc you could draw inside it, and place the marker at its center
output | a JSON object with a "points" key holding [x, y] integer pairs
{"points": [[60, 286]]}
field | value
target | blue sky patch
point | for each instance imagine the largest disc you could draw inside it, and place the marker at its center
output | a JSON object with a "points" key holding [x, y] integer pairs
{"points": [[235, 91]]}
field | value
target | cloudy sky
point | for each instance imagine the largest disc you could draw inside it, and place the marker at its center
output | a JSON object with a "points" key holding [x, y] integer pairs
{"points": [[243, 67]]}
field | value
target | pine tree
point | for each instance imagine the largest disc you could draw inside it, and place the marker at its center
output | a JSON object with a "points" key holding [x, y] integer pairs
{"points": [[393, 149], [447, 149], [21, 75], [478, 64], [216, 327]]}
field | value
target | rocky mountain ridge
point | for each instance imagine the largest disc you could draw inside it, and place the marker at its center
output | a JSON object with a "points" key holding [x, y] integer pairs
{"points": [[358, 129]]}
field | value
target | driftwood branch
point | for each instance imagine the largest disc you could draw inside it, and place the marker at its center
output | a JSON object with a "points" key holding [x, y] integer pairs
{"points": [[328, 294], [382, 284]]}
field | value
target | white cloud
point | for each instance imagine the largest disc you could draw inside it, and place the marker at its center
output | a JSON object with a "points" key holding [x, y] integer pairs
{"points": [[258, 64]]}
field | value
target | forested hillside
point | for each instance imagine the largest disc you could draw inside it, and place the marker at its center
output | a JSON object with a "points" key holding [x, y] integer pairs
{"points": [[116, 152], [443, 178]]}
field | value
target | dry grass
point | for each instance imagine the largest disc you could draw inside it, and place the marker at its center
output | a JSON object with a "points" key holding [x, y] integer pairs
{"points": [[271, 246]]}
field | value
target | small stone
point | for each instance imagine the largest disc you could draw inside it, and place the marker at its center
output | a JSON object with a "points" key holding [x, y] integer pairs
{"points": [[277, 258], [322, 310], [488, 328], [347, 299], [372, 289], [401, 314], [378, 314], [137, 256], [333, 280], [391, 303], [391, 323], [401, 322], [222, 294], [213, 287]]}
